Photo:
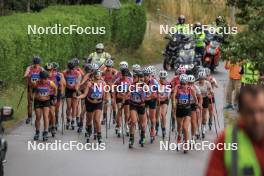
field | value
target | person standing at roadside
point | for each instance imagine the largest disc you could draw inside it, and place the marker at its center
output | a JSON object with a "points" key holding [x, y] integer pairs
{"points": [[233, 85], [246, 137]]}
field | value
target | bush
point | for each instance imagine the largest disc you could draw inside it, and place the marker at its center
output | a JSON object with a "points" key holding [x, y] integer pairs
{"points": [[17, 48], [129, 26]]}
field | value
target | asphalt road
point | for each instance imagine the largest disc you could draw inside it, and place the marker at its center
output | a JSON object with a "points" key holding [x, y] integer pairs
{"points": [[116, 160]]}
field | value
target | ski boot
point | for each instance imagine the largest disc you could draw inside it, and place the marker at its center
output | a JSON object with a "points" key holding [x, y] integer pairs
{"points": [[53, 131], [80, 127], [36, 136], [118, 132], [104, 119], [49, 129], [99, 137], [78, 120], [88, 134], [142, 140], [179, 142], [127, 131], [203, 131], [163, 133], [210, 123], [173, 124], [95, 134], [114, 117], [68, 124], [131, 141], [72, 124], [28, 120], [45, 135], [152, 135], [157, 128]]}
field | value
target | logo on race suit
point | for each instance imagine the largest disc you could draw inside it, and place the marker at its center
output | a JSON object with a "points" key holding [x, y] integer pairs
{"points": [[34, 77], [43, 91], [136, 97], [70, 80], [97, 93], [183, 98]]}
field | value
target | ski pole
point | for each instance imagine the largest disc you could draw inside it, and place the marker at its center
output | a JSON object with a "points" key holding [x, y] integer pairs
{"points": [[215, 127], [170, 122], [62, 117], [111, 113], [217, 115], [106, 128], [33, 102], [122, 120], [198, 125], [21, 97]]}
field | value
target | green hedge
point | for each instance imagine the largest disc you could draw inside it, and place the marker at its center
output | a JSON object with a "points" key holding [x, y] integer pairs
{"points": [[129, 26], [17, 48]]}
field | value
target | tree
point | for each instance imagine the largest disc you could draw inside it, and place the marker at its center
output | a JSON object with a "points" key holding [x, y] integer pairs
{"points": [[249, 43]]}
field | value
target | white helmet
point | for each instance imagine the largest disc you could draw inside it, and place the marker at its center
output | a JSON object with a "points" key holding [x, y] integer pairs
{"points": [[202, 75], [95, 66], [183, 78], [207, 71], [152, 69], [163, 74], [109, 63], [147, 71], [99, 46], [191, 79], [135, 67], [123, 65]]}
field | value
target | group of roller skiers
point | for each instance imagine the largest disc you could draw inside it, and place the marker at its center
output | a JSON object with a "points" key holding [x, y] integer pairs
{"points": [[130, 110]]}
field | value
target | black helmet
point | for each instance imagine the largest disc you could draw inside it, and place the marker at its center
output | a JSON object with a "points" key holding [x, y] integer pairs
{"points": [[71, 65], [198, 26], [125, 72], [55, 65], [75, 61], [139, 73], [88, 67], [43, 74], [48, 66], [219, 20], [181, 19], [36, 60]]}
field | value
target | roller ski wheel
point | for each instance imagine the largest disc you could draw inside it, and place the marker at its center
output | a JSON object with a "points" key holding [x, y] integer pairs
{"points": [[95, 136], [87, 140]]}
